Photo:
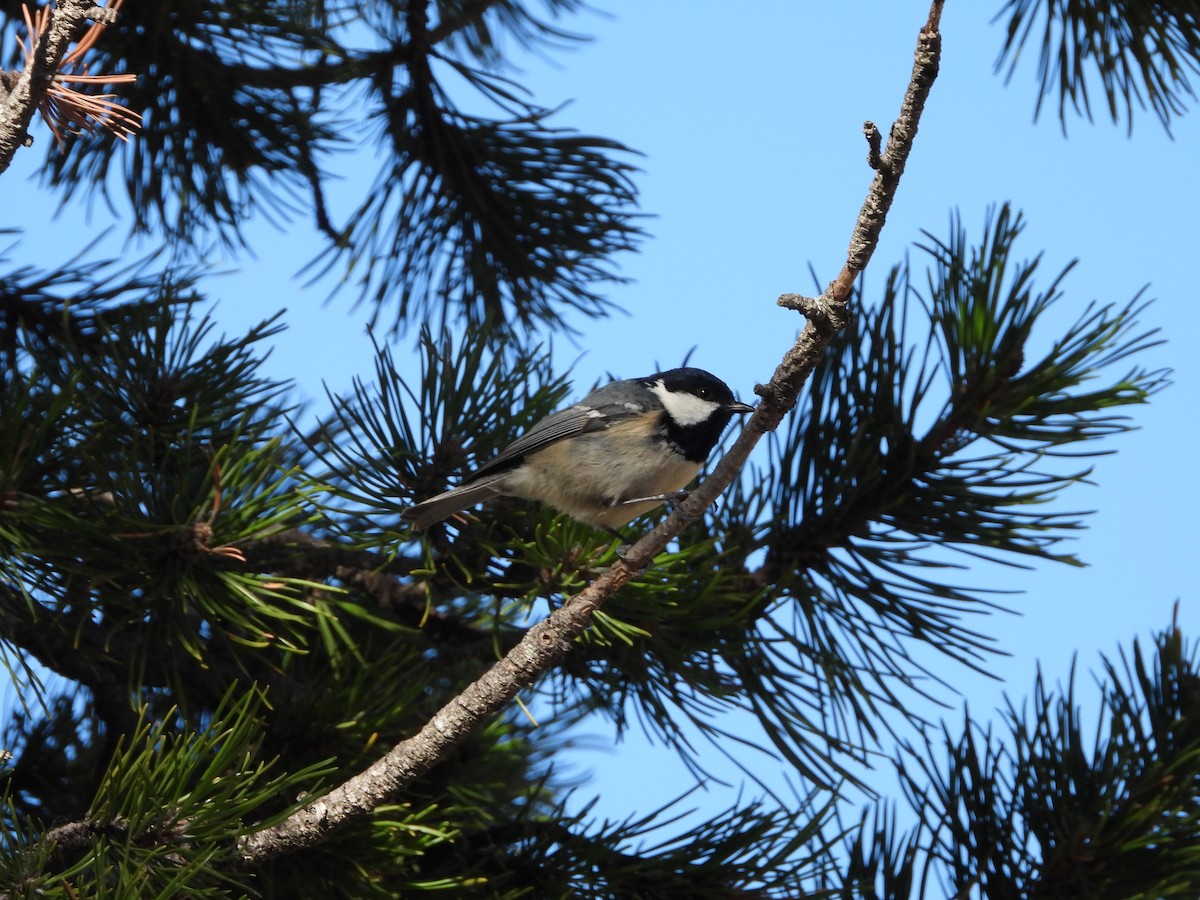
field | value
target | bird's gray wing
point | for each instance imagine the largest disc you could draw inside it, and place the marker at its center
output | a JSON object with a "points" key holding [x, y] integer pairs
{"points": [[582, 418]]}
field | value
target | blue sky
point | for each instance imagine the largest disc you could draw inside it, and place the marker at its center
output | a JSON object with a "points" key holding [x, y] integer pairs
{"points": [[753, 168]]}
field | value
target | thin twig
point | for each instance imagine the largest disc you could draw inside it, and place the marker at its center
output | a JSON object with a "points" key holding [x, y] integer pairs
{"points": [[551, 640]]}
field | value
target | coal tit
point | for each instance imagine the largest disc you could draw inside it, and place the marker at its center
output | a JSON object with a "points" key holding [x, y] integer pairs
{"points": [[623, 450]]}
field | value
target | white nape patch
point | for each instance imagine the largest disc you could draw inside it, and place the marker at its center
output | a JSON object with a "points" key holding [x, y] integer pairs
{"points": [[684, 408]]}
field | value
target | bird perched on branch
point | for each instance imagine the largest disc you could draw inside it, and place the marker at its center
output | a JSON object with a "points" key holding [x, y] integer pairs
{"points": [[621, 451]]}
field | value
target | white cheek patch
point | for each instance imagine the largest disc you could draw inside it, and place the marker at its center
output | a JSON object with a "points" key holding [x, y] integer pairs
{"points": [[685, 409]]}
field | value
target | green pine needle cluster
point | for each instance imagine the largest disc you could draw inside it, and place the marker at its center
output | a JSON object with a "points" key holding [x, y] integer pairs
{"points": [[1143, 53]]}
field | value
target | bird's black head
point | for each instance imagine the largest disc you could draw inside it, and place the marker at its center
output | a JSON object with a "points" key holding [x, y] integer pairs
{"points": [[697, 406]]}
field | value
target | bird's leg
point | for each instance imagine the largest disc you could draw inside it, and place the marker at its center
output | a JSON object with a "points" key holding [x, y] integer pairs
{"points": [[623, 546], [672, 500]]}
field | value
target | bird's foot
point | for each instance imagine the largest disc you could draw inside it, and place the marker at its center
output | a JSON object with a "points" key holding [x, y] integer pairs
{"points": [[672, 500]]}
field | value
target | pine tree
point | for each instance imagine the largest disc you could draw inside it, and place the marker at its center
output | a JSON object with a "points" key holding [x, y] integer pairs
{"points": [[240, 674]]}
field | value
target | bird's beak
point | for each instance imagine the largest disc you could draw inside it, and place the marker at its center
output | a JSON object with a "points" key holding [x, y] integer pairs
{"points": [[739, 407]]}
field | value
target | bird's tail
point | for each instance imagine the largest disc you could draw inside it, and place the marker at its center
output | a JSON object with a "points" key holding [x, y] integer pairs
{"points": [[425, 513]]}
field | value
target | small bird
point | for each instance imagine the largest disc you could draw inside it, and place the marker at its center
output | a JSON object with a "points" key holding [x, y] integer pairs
{"points": [[623, 450]]}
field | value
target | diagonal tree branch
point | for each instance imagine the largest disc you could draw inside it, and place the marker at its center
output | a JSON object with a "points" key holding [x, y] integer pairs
{"points": [[551, 640]]}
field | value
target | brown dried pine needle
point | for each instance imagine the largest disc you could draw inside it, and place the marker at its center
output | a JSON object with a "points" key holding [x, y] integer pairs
{"points": [[67, 110]]}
